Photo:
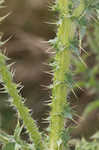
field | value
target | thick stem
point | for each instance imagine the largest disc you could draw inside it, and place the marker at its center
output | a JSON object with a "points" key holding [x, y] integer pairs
{"points": [[65, 33], [59, 92]]}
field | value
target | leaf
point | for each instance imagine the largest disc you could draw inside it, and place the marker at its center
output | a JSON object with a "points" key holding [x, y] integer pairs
{"points": [[18, 131], [9, 146]]}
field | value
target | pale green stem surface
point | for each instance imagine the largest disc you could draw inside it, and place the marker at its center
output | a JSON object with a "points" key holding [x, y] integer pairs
{"points": [[16, 101], [59, 92], [65, 33]]}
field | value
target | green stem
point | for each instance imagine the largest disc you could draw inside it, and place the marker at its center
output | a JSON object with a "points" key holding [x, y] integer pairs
{"points": [[65, 33], [59, 92], [16, 101]]}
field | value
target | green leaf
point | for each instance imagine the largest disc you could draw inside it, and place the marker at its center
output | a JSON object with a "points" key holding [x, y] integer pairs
{"points": [[9, 146], [17, 131]]}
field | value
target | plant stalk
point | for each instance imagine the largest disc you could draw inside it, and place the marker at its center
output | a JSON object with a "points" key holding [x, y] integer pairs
{"points": [[11, 88], [65, 33], [60, 90]]}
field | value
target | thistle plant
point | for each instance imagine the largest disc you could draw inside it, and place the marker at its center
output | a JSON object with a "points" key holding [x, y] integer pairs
{"points": [[72, 16], [62, 80], [73, 19], [17, 101]]}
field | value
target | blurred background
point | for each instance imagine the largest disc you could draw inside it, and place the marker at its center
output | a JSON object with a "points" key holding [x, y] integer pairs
{"points": [[29, 24]]}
